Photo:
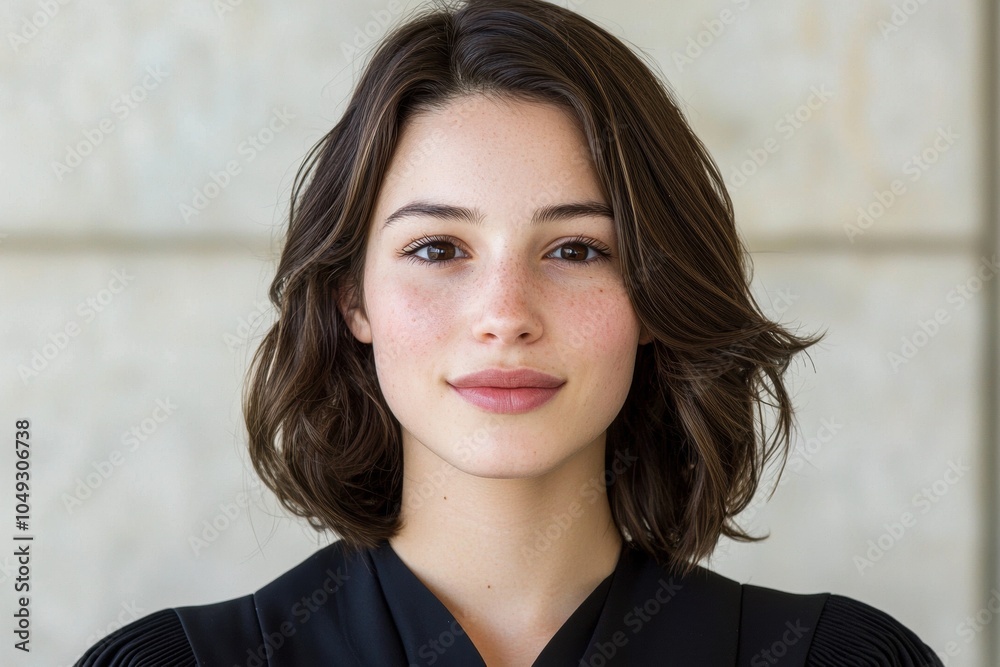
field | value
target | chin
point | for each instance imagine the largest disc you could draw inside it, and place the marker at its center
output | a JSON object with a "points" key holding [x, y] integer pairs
{"points": [[508, 463]]}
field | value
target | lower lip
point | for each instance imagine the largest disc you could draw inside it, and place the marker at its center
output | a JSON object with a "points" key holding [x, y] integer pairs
{"points": [[507, 401]]}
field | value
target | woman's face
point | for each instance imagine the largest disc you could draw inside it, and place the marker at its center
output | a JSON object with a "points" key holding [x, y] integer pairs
{"points": [[496, 292]]}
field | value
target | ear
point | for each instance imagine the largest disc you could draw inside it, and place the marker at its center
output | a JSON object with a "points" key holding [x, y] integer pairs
{"points": [[354, 315], [645, 336]]}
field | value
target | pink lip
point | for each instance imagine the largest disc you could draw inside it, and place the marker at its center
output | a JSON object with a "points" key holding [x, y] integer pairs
{"points": [[507, 391], [507, 379], [507, 401]]}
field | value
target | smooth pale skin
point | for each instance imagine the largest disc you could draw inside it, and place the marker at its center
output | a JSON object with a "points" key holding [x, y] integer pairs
{"points": [[481, 489]]}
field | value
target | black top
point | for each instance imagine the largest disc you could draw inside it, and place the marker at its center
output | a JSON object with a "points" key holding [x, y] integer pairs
{"points": [[367, 608]]}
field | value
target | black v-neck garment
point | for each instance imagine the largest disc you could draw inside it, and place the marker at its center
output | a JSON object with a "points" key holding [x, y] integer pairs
{"points": [[419, 615], [367, 608]]}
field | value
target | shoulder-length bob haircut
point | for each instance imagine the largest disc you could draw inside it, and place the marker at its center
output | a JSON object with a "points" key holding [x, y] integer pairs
{"points": [[321, 435]]}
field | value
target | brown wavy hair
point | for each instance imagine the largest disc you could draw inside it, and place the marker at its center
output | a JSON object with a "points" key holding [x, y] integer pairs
{"points": [[321, 435]]}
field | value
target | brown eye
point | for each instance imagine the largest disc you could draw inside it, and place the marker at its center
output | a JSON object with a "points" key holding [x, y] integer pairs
{"points": [[579, 251], [440, 250], [579, 247]]}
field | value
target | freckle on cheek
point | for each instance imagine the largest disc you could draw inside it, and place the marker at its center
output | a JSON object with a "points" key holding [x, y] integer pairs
{"points": [[416, 316]]}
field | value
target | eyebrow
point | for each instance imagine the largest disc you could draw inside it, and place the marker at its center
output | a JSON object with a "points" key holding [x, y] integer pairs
{"points": [[551, 213]]}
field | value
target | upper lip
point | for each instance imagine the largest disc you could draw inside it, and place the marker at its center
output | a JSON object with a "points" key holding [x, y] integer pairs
{"points": [[508, 379]]}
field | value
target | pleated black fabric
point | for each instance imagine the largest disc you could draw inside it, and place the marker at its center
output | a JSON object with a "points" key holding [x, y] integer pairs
{"points": [[851, 632], [367, 609], [155, 639]]}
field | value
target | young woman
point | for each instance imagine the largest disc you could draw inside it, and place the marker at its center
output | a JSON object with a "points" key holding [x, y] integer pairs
{"points": [[517, 369]]}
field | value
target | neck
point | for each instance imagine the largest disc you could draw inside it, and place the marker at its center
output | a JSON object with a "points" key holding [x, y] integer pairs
{"points": [[526, 549]]}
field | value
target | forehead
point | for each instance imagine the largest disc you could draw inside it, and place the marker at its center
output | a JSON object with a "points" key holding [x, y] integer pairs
{"points": [[478, 146]]}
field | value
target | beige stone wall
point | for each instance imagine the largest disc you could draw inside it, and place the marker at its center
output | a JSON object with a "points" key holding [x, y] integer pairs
{"points": [[854, 138]]}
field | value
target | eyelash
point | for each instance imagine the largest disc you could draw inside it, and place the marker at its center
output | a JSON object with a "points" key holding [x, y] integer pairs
{"points": [[409, 252]]}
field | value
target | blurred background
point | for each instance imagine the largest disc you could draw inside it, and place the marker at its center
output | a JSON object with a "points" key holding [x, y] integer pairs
{"points": [[147, 152]]}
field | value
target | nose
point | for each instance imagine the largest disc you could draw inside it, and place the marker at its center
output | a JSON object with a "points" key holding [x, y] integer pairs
{"points": [[509, 299]]}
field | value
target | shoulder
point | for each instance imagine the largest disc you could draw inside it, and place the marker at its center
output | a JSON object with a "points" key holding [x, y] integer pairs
{"points": [[206, 635], [852, 632], [144, 641], [219, 632], [825, 629]]}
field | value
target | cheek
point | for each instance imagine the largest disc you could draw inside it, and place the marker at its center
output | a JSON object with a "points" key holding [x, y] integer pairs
{"points": [[621, 340], [410, 324], [613, 346], [603, 326]]}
